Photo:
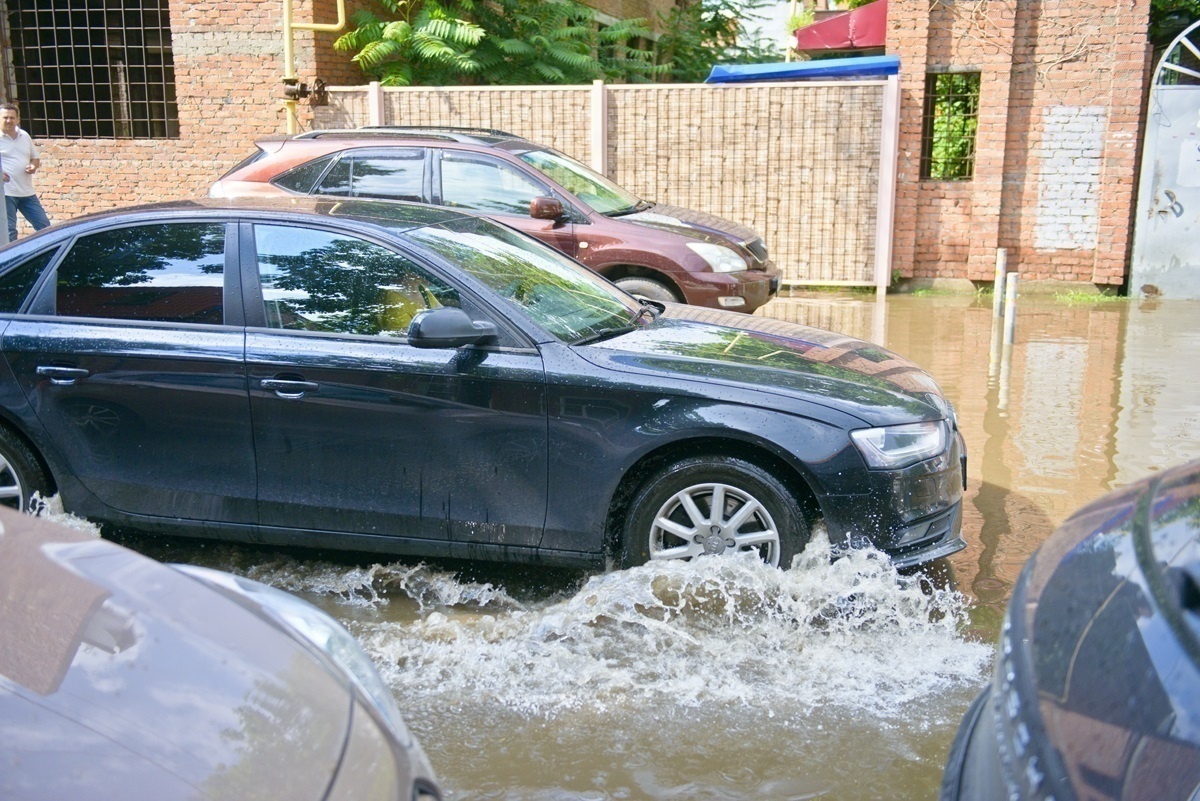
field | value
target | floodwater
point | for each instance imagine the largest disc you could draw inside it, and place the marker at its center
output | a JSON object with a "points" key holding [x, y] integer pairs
{"points": [[724, 679]]}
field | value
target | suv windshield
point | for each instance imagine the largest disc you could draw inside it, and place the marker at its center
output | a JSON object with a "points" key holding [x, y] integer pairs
{"points": [[564, 298], [590, 187]]}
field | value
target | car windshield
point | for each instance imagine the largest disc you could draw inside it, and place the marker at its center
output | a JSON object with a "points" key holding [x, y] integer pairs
{"points": [[564, 298], [591, 187]]}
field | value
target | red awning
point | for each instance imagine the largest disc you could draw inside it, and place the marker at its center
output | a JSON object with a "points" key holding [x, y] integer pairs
{"points": [[865, 26]]}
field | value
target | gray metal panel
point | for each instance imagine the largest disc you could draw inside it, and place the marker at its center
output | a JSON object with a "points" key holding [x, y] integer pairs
{"points": [[1166, 241]]}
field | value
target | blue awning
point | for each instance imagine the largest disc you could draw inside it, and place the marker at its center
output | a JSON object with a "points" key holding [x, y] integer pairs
{"points": [[860, 67]]}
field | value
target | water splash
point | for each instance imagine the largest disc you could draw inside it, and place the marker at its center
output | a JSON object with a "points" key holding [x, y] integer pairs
{"points": [[849, 634]]}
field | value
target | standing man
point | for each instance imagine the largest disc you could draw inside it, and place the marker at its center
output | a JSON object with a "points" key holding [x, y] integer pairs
{"points": [[20, 158]]}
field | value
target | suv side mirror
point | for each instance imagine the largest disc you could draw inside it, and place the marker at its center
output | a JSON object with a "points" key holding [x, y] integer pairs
{"points": [[546, 208], [447, 327]]}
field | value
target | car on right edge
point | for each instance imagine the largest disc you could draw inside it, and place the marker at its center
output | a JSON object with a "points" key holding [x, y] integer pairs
{"points": [[1096, 690]]}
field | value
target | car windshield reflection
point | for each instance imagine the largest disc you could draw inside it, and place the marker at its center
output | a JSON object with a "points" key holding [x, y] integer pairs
{"points": [[567, 300], [592, 188]]}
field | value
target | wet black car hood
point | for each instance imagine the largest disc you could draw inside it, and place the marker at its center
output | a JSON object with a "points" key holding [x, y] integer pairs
{"points": [[1112, 607], [779, 358]]}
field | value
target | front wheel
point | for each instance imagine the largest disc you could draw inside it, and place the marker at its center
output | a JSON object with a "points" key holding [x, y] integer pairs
{"points": [[713, 505], [21, 474]]}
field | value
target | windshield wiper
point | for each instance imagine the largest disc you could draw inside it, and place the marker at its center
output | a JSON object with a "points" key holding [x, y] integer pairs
{"points": [[641, 205], [605, 333], [647, 310]]}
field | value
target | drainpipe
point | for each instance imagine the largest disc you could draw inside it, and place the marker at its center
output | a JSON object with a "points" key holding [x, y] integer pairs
{"points": [[293, 90]]}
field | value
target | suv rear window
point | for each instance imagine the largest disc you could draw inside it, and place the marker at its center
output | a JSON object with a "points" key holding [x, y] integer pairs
{"points": [[301, 179]]}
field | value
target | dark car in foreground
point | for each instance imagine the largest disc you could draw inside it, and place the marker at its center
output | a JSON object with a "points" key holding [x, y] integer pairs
{"points": [[122, 677], [651, 250], [1096, 693], [405, 379]]}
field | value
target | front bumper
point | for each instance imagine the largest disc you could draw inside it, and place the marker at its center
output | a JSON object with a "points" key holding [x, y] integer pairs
{"points": [[744, 291]]}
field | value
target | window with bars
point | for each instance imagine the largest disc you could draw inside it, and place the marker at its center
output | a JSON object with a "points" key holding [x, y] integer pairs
{"points": [[949, 126], [94, 68]]}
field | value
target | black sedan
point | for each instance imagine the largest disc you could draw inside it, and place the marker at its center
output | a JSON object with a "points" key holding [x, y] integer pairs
{"points": [[403, 379], [121, 677], [1096, 693]]}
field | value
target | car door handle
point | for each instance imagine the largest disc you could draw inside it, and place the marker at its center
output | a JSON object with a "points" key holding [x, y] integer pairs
{"points": [[63, 376], [290, 389]]}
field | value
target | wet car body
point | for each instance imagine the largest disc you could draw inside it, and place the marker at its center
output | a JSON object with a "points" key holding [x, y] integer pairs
{"points": [[521, 446], [648, 246], [123, 677], [1096, 693]]}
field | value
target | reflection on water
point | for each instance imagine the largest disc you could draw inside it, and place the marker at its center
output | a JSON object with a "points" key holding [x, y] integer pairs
{"points": [[1088, 397], [726, 680]]}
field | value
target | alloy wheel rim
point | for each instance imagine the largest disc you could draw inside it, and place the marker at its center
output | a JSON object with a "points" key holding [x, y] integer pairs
{"points": [[713, 518]]}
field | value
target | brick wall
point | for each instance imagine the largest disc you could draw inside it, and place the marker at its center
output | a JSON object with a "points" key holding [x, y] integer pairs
{"points": [[1057, 143]]}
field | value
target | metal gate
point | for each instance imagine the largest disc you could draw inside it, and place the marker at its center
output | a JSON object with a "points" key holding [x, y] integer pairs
{"points": [[1166, 237]]}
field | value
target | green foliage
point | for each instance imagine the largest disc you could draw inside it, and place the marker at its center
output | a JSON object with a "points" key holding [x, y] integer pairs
{"points": [[1169, 18], [952, 116], [849, 5], [445, 42], [702, 33]]}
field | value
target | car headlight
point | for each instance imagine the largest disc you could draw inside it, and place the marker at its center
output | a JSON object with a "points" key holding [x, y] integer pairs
{"points": [[320, 630], [720, 258], [893, 447]]}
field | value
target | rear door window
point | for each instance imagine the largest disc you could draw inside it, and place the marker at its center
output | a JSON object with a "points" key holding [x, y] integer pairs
{"points": [[474, 182], [398, 174], [166, 272]]}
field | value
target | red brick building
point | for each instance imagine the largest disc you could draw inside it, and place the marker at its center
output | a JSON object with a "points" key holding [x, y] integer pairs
{"points": [[1060, 92], [159, 97]]}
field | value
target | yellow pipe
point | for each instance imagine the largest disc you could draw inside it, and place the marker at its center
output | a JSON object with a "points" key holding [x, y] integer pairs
{"points": [[289, 54]]}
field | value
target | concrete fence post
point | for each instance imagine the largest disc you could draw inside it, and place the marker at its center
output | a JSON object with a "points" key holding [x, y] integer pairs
{"points": [[375, 103], [598, 127], [998, 288]]}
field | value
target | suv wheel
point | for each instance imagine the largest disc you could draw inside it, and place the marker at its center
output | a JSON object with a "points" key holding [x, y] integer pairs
{"points": [[648, 289]]}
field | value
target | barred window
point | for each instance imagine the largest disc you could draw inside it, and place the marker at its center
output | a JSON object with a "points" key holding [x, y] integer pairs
{"points": [[94, 68], [948, 130]]}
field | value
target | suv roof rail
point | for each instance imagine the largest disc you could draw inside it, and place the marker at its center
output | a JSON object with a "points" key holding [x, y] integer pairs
{"points": [[448, 133]]}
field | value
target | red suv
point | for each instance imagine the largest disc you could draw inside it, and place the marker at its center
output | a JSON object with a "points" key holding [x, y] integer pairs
{"points": [[651, 250]]}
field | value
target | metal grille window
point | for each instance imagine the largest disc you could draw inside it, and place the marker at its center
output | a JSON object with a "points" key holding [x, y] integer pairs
{"points": [[948, 129], [94, 68]]}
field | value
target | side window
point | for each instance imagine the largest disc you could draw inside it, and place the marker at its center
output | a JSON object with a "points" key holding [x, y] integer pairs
{"points": [[172, 272], [397, 175], [301, 179], [318, 281], [474, 183], [16, 283]]}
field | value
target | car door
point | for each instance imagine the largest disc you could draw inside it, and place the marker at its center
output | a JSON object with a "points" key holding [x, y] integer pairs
{"points": [[356, 430], [498, 190], [133, 361]]}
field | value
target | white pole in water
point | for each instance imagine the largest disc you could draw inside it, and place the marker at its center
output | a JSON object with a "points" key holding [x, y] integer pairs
{"points": [[1010, 327], [998, 290]]}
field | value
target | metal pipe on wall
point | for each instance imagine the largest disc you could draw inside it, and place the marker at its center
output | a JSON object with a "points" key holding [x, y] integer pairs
{"points": [[289, 53]]}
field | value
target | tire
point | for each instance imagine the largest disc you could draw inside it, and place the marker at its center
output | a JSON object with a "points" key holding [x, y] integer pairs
{"points": [[21, 473], [648, 289], [670, 517]]}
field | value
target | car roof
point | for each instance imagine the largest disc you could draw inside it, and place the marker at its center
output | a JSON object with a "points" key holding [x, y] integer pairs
{"points": [[395, 216]]}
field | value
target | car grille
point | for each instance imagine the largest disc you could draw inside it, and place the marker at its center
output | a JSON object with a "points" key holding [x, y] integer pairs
{"points": [[758, 249]]}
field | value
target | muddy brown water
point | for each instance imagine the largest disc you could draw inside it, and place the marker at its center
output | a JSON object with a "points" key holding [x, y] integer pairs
{"points": [[727, 680]]}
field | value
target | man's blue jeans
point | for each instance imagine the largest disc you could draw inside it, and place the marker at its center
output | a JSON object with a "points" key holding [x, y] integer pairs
{"points": [[30, 208]]}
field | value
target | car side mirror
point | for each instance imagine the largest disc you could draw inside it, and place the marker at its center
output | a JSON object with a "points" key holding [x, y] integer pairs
{"points": [[546, 208], [447, 327]]}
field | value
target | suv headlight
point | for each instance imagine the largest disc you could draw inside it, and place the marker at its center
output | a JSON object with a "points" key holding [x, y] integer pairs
{"points": [[720, 258], [893, 447]]}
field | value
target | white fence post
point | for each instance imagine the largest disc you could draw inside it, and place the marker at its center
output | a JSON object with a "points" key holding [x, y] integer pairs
{"points": [[885, 218], [599, 127], [375, 103]]}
